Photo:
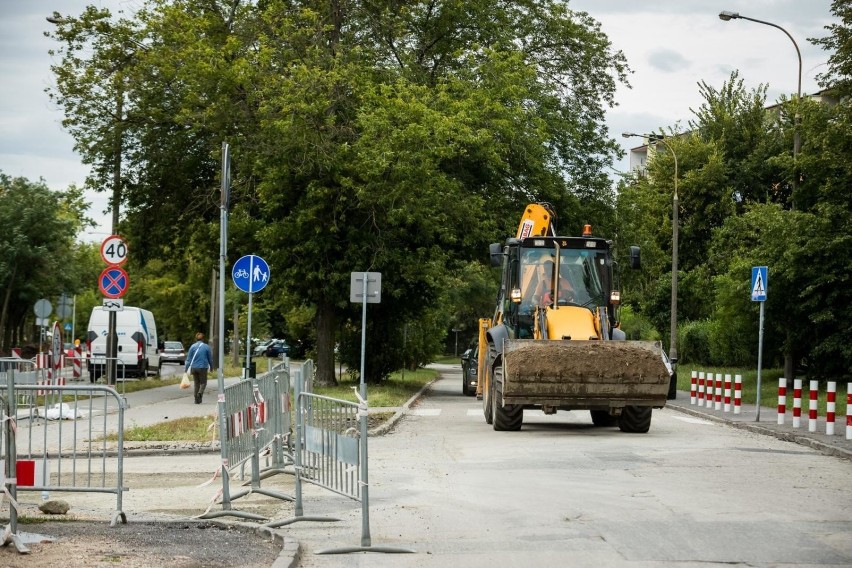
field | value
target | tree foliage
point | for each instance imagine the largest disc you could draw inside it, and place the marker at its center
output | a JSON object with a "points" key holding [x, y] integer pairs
{"points": [[37, 250], [382, 136]]}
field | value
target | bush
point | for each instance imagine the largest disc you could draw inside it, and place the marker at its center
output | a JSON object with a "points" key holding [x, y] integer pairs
{"points": [[637, 326], [694, 342]]}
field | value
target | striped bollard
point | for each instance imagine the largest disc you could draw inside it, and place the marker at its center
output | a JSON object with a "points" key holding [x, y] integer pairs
{"points": [[693, 385], [849, 411], [797, 403], [77, 361], [782, 399], [812, 407], [718, 405], [701, 388], [830, 407], [738, 393], [727, 392]]}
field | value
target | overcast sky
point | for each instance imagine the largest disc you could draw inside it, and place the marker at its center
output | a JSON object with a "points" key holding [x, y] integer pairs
{"points": [[670, 45]]}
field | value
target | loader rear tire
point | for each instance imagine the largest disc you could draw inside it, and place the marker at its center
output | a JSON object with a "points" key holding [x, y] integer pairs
{"points": [[603, 418], [635, 419], [487, 386], [510, 417]]}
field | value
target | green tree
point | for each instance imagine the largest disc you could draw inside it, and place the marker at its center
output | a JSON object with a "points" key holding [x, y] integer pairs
{"points": [[399, 138], [36, 245]]}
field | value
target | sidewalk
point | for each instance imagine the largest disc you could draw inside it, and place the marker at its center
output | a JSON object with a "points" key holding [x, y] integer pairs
{"points": [[836, 445]]}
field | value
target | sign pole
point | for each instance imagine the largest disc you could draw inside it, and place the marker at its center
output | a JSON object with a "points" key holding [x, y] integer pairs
{"points": [[759, 285], [759, 360], [220, 372]]}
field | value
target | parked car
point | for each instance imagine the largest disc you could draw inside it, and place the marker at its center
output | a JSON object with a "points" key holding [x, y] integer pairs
{"points": [[672, 394], [173, 352], [260, 348], [470, 368], [277, 348]]}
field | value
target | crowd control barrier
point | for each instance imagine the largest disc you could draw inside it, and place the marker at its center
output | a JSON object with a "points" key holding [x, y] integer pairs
{"points": [[331, 452], [59, 441], [256, 420]]}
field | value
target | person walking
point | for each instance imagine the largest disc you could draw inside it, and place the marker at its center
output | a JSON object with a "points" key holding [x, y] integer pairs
{"points": [[199, 359]]}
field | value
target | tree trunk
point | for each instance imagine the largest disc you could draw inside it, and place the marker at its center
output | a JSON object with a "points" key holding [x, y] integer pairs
{"points": [[325, 375], [4, 338]]}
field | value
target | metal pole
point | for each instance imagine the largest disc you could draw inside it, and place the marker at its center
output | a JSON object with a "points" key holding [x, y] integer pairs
{"points": [[759, 360], [728, 16], [220, 372], [365, 493]]}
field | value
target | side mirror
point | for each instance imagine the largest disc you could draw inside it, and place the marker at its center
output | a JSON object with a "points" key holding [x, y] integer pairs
{"points": [[635, 261], [496, 252]]}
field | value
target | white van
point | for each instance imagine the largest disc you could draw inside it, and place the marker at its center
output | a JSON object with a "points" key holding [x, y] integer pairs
{"points": [[137, 342]]}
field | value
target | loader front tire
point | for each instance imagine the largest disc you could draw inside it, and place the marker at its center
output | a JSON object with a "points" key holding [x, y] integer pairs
{"points": [[635, 419], [505, 418]]}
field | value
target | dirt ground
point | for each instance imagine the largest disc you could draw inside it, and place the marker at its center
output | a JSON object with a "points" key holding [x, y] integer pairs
{"points": [[86, 544], [628, 360]]}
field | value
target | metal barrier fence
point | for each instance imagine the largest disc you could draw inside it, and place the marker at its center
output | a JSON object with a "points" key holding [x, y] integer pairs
{"points": [[257, 419], [331, 452], [62, 439]]}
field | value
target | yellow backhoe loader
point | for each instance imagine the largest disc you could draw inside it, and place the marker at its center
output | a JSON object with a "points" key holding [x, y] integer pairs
{"points": [[554, 341]]}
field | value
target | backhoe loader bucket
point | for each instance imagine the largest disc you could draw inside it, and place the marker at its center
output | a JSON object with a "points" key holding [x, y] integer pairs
{"points": [[584, 374]]}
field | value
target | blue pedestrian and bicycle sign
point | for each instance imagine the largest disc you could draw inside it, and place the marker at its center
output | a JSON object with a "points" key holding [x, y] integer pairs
{"points": [[759, 278], [250, 273]]}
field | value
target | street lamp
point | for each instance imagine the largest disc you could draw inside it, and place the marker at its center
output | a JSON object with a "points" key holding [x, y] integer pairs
{"points": [[726, 16], [675, 206], [112, 334]]}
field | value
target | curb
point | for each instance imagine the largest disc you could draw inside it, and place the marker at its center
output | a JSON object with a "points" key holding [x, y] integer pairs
{"points": [[401, 411]]}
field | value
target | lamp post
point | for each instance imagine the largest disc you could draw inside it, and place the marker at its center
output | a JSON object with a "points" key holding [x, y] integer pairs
{"points": [[675, 222], [726, 16], [112, 335]]}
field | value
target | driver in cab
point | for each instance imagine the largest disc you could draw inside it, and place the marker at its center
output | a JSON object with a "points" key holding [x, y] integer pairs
{"points": [[544, 289]]}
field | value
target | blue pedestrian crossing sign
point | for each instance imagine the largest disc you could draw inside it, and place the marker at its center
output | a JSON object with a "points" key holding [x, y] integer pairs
{"points": [[759, 278], [250, 273]]}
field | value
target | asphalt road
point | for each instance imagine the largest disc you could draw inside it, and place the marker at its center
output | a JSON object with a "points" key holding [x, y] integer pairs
{"points": [[691, 492], [694, 491]]}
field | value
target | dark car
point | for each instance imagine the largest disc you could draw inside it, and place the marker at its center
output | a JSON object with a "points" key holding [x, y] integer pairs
{"points": [[470, 368], [173, 352], [277, 348]]}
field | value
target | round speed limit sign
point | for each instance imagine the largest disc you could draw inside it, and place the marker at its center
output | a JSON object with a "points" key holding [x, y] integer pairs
{"points": [[114, 250]]}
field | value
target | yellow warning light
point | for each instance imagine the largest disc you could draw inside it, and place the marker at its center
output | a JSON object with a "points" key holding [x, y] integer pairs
{"points": [[587, 230]]}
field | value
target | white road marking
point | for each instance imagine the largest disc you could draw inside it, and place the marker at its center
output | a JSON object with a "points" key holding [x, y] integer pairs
{"points": [[474, 412], [692, 420], [425, 412]]}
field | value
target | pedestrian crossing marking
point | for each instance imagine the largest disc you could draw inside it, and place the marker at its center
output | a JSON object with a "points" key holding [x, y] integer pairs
{"points": [[425, 412]]}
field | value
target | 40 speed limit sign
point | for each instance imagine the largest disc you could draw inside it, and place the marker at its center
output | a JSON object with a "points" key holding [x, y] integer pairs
{"points": [[114, 250]]}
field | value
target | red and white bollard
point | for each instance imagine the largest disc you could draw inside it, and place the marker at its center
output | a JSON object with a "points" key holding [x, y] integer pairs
{"points": [[797, 403], [718, 405], [693, 385], [701, 388], [738, 393], [849, 411], [830, 407], [727, 392], [782, 399], [812, 407], [77, 361]]}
